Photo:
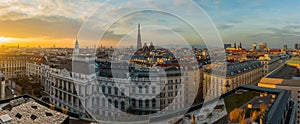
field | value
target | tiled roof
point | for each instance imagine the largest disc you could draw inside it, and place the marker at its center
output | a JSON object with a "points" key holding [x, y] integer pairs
{"points": [[37, 59]]}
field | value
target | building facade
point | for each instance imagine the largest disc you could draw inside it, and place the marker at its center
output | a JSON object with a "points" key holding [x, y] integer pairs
{"points": [[220, 78], [141, 92], [34, 67], [73, 89], [270, 63], [13, 66]]}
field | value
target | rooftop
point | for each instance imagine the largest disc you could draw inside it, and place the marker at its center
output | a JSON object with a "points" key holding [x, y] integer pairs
{"points": [[267, 103], [27, 110], [293, 61], [267, 82], [38, 59], [232, 68], [285, 72]]}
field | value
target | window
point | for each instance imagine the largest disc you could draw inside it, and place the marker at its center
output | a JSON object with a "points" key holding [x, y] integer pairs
{"points": [[116, 91], [153, 103], [122, 92], [109, 90], [170, 94], [146, 89], [147, 103], [133, 102], [123, 105], [186, 79], [140, 89], [140, 103], [153, 90], [116, 104], [109, 103]]}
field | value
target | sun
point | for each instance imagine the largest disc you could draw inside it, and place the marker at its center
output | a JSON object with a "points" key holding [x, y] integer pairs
{"points": [[6, 39]]}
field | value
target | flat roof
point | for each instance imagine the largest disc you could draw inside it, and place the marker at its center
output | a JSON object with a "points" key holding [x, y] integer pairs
{"points": [[293, 60], [286, 72], [27, 110], [280, 82]]}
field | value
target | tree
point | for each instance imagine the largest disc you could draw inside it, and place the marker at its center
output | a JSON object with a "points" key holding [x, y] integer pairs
{"points": [[243, 121], [263, 107], [254, 115], [235, 114]]}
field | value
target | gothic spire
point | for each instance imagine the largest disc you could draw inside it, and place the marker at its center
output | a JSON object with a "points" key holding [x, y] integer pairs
{"points": [[139, 39]]}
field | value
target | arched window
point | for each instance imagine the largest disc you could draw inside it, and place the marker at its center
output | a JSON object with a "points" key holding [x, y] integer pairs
{"points": [[109, 103], [140, 103], [103, 89], [116, 104], [116, 91], [153, 103], [123, 106], [109, 90], [153, 90], [133, 102], [147, 103]]}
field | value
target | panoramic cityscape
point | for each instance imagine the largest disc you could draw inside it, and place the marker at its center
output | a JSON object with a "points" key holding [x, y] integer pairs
{"points": [[161, 62]]}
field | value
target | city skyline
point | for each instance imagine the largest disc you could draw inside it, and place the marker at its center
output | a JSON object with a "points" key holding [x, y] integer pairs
{"points": [[147, 61], [44, 24]]}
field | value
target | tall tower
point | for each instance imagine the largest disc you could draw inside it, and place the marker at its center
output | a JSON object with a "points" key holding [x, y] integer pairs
{"points": [[241, 45], [139, 39], [76, 49], [284, 45]]}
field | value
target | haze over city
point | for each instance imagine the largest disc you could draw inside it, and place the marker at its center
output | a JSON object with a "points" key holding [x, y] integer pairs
{"points": [[45, 23]]}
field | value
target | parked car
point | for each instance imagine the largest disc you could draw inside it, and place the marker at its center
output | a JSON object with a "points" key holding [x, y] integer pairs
{"points": [[13, 92]]}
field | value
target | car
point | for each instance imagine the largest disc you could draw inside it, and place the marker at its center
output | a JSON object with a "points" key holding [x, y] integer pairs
{"points": [[13, 92]]}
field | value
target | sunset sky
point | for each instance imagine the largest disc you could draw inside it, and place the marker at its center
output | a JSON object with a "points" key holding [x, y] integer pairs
{"points": [[49, 22]]}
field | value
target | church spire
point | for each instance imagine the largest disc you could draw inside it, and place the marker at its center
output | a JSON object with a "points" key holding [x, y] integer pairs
{"points": [[76, 49], [139, 39], [76, 43]]}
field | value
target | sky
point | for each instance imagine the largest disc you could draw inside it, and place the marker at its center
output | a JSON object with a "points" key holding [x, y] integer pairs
{"points": [[48, 22]]}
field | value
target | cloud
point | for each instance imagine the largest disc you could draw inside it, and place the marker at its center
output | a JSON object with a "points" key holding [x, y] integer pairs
{"points": [[40, 26], [225, 26], [13, 16], [293, 27], [286, 30], [32, 8]]}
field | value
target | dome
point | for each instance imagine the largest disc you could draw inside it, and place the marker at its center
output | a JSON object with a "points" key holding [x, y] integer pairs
{"points": [[151, 47]]}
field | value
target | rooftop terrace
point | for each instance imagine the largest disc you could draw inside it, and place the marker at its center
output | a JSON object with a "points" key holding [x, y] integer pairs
{"points": [[245, 101], [26, 110]]}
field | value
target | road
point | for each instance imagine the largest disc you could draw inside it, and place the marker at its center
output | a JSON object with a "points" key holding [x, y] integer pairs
{"points": [[8, 93]]}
